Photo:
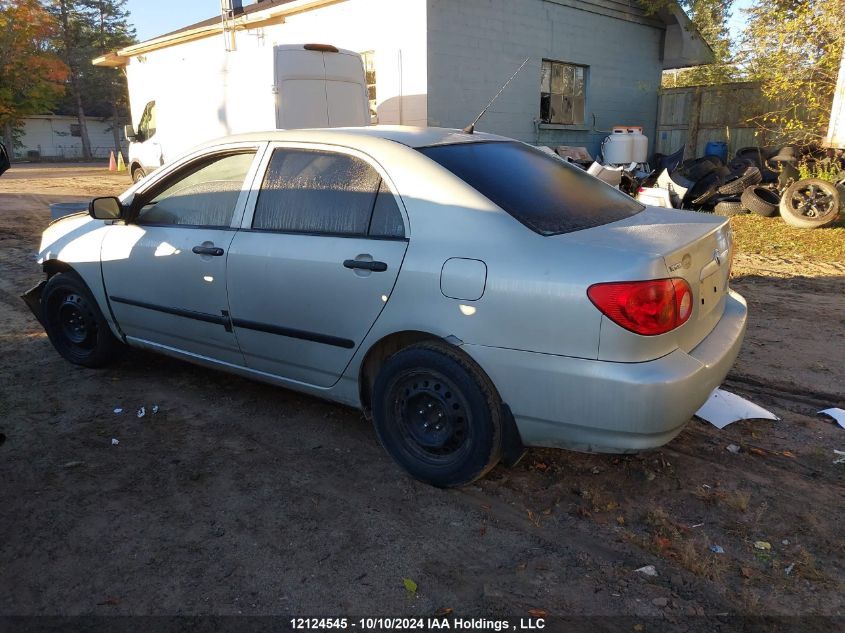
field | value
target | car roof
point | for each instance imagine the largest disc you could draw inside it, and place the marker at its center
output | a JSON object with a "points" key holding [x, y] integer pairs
{"points": [[404, 134]]}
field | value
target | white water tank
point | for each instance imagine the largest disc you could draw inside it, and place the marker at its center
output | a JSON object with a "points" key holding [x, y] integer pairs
{"points": [[618, 148], [640, 148]]}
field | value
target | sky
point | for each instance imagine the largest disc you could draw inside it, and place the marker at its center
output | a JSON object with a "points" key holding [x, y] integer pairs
{"points": [[738, 18], [156, 17]]}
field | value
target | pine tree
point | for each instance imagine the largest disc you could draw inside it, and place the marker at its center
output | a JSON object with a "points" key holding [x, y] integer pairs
{"points": [[87, 29], [108, 85]]}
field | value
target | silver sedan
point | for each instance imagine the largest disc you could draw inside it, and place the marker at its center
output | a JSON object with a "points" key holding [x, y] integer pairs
{"points": [[471, 294]]}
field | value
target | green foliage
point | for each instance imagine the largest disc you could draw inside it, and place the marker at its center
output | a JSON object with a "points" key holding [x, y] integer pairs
{"points": [[88, 29], [829, 169], [410, 586], [710, 18], [794, 48]]}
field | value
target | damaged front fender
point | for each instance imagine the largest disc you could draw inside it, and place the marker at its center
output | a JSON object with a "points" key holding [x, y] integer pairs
{"points": [[32, 298]]}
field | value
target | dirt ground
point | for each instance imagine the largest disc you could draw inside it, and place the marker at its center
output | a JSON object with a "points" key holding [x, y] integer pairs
{"points": [[241, 498]]}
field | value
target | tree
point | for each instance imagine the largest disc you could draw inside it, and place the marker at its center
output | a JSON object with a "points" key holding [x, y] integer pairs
{"points": [[794, 48], [31, 75], [108, 85], [87, 29]]}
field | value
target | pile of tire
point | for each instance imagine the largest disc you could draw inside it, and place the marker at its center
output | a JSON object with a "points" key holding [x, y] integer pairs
{"points": [[713, 186]]}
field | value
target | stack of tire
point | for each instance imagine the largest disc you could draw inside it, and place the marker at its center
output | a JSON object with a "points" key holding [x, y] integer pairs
{"points": [[741, 186]]}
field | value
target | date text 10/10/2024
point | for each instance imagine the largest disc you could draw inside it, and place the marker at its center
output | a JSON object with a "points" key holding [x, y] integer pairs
{"points": [[417, 624]]}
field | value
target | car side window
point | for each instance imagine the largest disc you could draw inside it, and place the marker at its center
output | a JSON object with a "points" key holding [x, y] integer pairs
{"points": [[147, 125], [387, 219], [203, 194], [309, 191]]}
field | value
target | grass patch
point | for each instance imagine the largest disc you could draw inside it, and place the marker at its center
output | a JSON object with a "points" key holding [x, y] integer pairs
{"points": [[772, 236]]}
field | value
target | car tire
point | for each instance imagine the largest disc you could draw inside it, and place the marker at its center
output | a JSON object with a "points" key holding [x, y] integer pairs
{"points": [[138, 174], [761, 200], [729, 208], [750, 176], [437, 415], [697, 169], [705, 189], [810, 204], [74, 323]]}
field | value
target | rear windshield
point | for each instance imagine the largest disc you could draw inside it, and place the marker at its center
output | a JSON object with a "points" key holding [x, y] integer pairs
{"points": [[546, 194]]}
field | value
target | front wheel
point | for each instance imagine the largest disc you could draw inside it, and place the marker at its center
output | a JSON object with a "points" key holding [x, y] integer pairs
{"points": [[437, 415], [74, 323], [138, 174]]}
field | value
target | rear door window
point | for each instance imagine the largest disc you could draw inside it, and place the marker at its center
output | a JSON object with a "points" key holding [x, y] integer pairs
{"points": [[326, 193], [546, 194]]}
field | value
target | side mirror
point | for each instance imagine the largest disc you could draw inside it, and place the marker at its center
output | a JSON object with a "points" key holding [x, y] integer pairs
{"points": [[105, 208], [129, 133], [5, 162]]}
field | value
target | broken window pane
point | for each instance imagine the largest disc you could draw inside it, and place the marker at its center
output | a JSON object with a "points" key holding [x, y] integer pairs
{"points": [[546, 77], [562, 93]]}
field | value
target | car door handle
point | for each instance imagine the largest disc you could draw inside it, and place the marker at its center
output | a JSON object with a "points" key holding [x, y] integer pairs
{"points": [[214, 251], [376, 267]]}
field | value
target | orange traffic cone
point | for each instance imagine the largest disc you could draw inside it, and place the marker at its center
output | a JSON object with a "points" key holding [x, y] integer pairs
{"points": [[112, 164], [121, 166]]}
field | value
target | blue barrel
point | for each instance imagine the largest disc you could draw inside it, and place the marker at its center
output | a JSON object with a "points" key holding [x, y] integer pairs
{"points": [[717, 148]]}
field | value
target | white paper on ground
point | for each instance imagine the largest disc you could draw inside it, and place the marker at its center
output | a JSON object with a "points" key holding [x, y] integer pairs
{"points": [[837, 414], [724, 407]]}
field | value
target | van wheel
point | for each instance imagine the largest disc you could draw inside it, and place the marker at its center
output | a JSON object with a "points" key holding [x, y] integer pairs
{"points": [[437, 415], [74, 323], [138, 174]]}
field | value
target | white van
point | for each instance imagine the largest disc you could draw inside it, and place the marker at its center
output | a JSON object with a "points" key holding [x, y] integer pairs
{"points": [[284, 87]]}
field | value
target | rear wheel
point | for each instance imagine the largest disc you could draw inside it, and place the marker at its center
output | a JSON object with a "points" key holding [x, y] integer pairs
{"points": [[74, 323], [437, 415]]}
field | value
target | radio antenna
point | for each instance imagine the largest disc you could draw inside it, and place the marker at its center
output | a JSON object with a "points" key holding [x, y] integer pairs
{"points": [[469, 129]]}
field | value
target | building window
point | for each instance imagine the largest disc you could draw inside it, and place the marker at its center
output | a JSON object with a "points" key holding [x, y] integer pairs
{"points": [[370, 70], [562, 93], [75, 130]]}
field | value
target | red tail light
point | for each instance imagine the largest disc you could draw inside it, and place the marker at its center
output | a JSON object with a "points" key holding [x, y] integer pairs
{"points": [[644, 307]]}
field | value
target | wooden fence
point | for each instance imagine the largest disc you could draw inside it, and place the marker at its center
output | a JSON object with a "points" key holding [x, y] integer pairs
{"points": [[694, 115]]}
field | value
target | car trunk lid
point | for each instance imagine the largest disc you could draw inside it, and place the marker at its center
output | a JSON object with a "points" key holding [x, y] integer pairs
{"points": [[692, 246]]}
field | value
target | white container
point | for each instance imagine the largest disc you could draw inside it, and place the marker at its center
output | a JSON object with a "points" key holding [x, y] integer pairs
{"points": [[640, 148], [618, 148]]}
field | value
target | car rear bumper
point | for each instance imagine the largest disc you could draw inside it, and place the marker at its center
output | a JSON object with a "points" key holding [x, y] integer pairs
{"points": [[611, 407]]}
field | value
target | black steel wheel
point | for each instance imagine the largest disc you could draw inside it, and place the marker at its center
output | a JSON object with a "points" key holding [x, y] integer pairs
{"points": [[437, 415], [74, 323], [810, 204]]}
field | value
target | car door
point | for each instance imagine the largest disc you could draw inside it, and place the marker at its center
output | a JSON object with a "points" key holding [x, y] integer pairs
{"points": [[315, 262], [165, 268]]}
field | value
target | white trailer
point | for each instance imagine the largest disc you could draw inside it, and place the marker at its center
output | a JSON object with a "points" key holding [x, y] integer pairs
{"points": [[836, 128], [200, 98]]}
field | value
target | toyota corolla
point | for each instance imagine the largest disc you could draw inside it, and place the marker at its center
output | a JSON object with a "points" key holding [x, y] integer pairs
{"points": [[471, 294]]}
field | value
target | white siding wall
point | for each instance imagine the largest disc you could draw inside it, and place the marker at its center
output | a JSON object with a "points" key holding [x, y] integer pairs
{"points": [[50, 137], [222, 103]]}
